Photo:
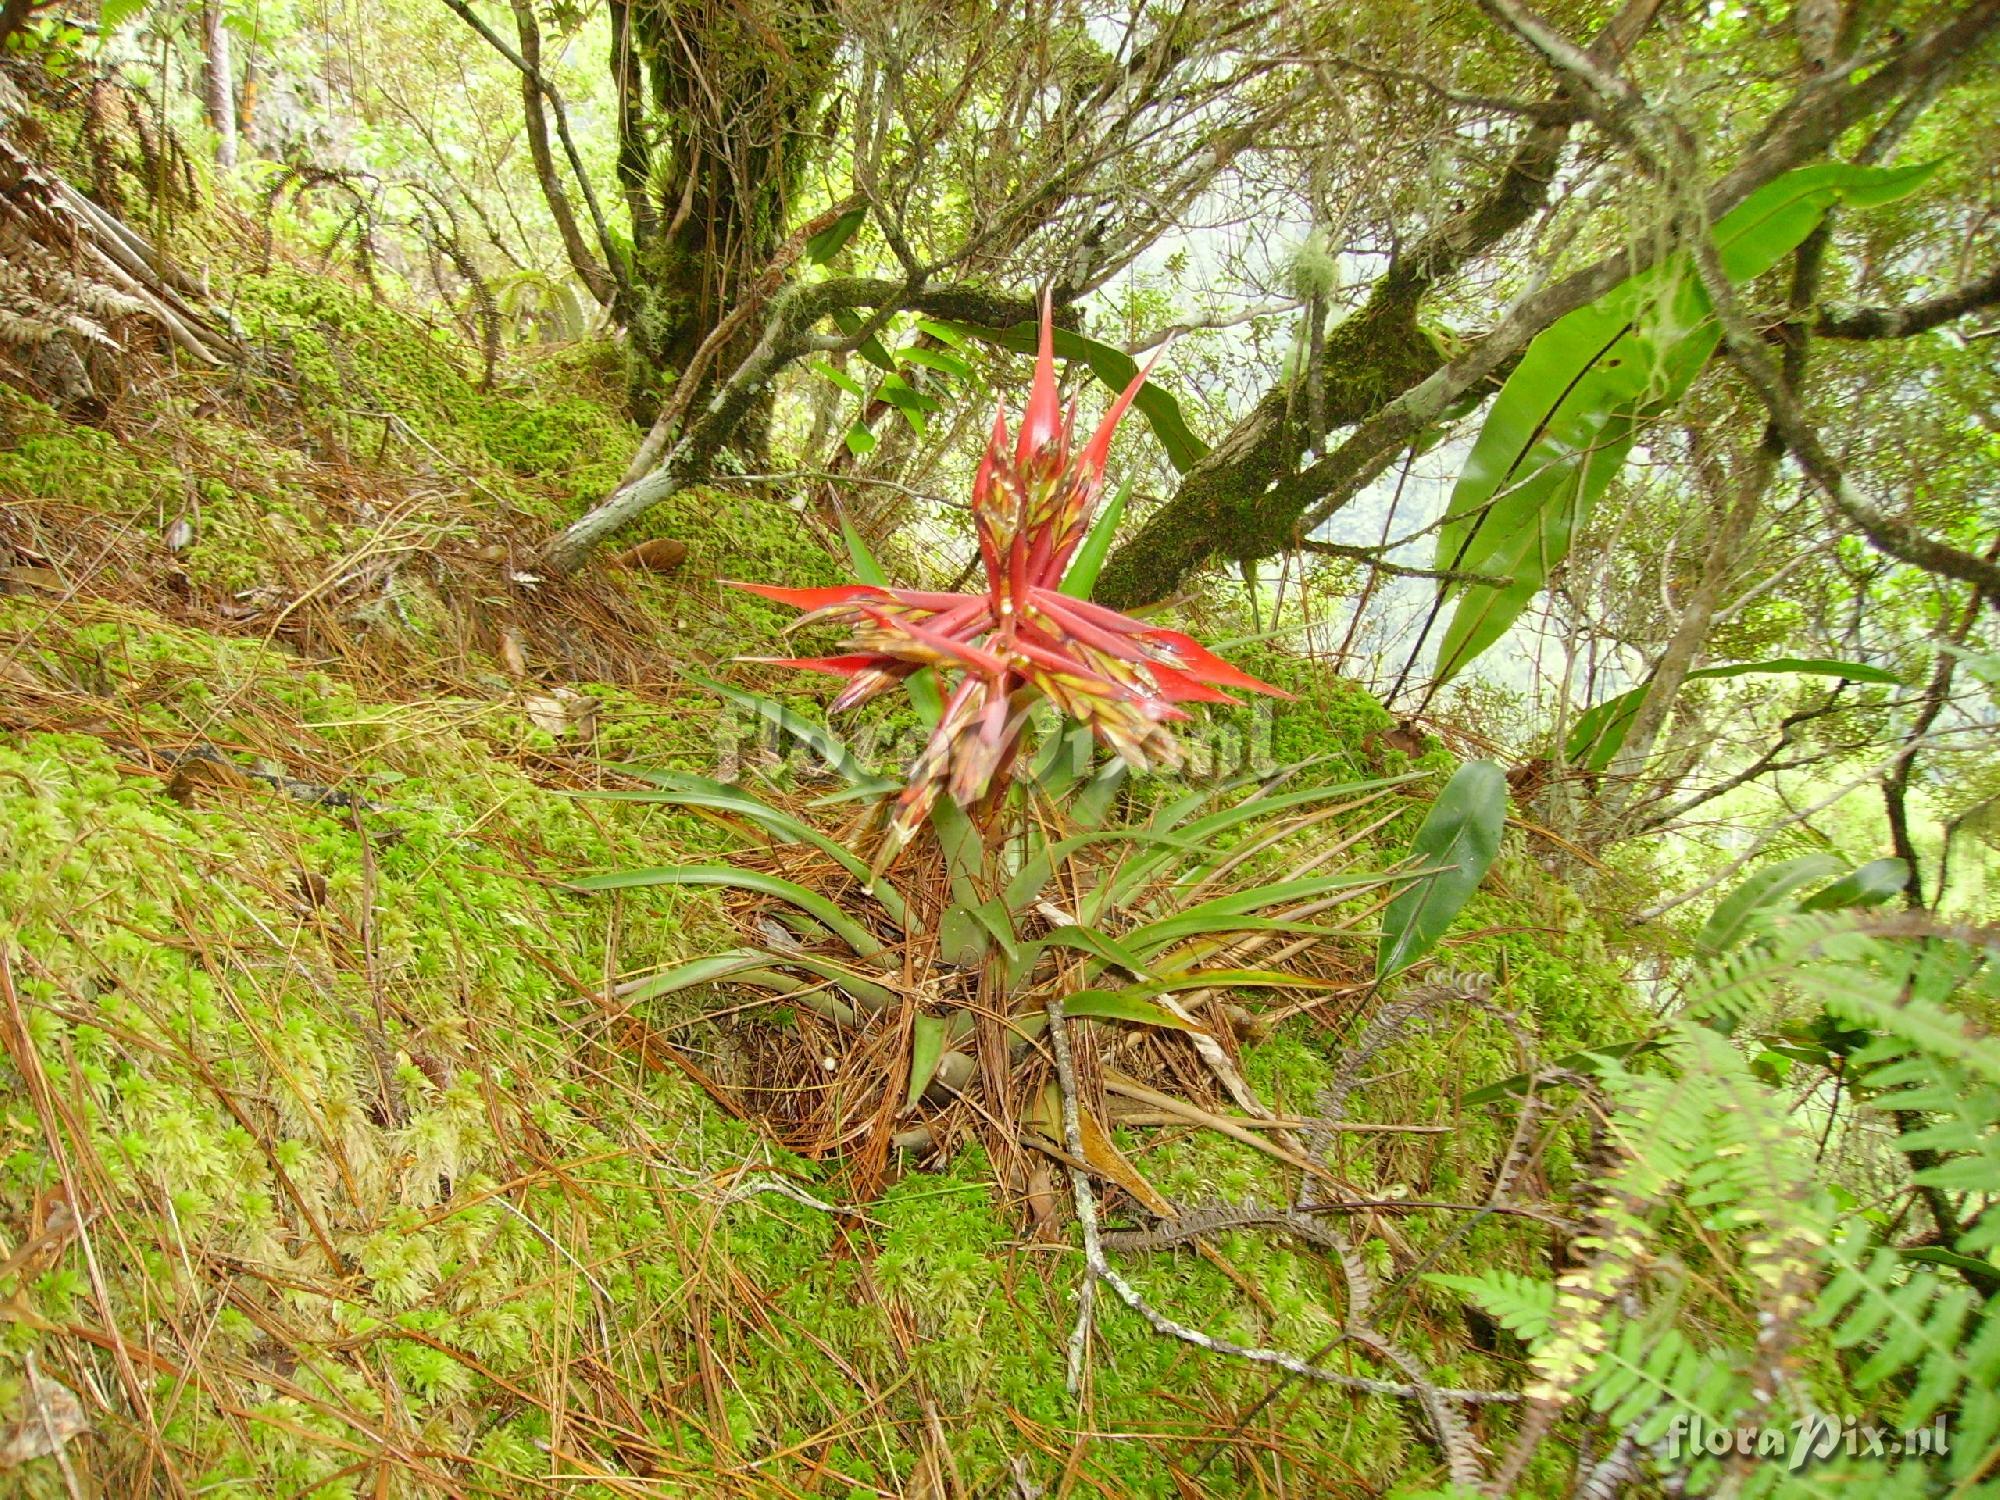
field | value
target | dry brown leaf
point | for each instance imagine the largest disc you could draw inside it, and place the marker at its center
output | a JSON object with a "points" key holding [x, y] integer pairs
{"points": [[50, 1416], [511, 655], [30, 581]]}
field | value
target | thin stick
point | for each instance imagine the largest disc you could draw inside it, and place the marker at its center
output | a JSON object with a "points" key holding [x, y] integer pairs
{"points": [[1100, 1269]]}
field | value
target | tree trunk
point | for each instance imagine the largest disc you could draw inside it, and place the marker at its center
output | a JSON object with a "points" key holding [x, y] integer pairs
{"points": [[740, 98], [218, 84]]}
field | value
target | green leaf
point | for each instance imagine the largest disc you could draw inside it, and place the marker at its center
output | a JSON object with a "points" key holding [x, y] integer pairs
{"points": [[831, 750], [948, 334], [1458, 840], [1728, 923], [822, 247], [1871, 884], [1561, 426], [866, 568], [1115, 368], [1599, 733], [1121, 1005], [859, 440], [1595, 1060], [926, 1051], [112, 15], [871, 348], [679, 790], [935, 359], [840, 378], [819, 907], [1089, 560]]}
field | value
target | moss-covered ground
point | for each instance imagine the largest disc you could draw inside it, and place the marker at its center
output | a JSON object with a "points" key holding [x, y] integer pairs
{"points": [[326, 1166]]}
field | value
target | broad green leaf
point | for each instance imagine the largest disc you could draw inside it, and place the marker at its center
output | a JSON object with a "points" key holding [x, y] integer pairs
{"points": [[948, 334], [1871, 884], [859, 440], [1457, 843], [926, 1050], [1115, 368], [1599, 733], [1089, 560], [871, 348], [820, 908], [1561, 426], [113, 15], [1728, 923], [822, 247]]}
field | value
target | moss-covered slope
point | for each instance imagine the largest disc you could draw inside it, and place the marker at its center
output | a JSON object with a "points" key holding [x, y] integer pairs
{"points": [[326, 1165]]}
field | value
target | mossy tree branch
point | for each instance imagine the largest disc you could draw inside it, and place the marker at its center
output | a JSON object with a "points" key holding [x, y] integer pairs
{"points": [[788, 334], [1249, 498]]}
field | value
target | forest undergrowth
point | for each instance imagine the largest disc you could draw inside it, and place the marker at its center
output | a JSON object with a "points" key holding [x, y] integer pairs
{"points": [[335, 1164]]}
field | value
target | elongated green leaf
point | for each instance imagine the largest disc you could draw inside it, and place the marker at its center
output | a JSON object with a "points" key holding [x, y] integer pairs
{"points": [[826, 912], [1089, 560], [1730, 921], [738, 963], [1871, 884], [1203, 831], [1037, 869], [841, 378], [831, 750], [926, 1050], [702, 971], [1596, 1060], [921, 685], [829, 242], [1600, 732], [681, 789], [1098, 944], [1243, 911], [1458, 840], [935, 359], [859, 558], [1115, 368], [1560, 428], [1122, 1005]]}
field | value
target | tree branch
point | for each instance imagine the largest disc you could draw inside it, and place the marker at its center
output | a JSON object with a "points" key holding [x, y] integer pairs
{"points": [[787, 336], [1912, 318], [1246, 497], [605, 279]]}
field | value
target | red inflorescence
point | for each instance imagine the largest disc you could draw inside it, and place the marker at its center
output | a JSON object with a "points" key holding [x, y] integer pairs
{"points": [[1022, 640]]}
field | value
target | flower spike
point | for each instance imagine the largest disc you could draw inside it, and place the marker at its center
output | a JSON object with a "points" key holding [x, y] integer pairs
{"points": [[1020, 641]]}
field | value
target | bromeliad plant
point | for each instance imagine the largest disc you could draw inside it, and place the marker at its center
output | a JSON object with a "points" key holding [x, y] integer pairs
{"points": [[918, 951]]}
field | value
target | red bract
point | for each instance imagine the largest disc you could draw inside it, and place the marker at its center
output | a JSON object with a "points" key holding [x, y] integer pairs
{"points": [[1022, 640]]}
